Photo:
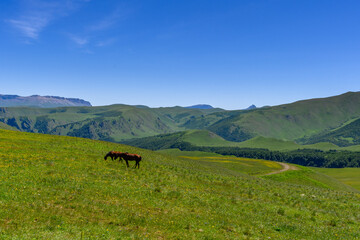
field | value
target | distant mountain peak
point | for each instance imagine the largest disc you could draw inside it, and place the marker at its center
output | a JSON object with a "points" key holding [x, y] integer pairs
{"points": [[201, 106], [40, 101], [251, 107]]}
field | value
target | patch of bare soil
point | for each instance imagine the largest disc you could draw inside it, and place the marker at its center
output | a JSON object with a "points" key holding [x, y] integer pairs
{"points": [[286, 167]]}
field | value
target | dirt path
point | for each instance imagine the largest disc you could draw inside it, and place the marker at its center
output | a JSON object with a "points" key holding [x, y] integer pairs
{"points": [[286, 168]]}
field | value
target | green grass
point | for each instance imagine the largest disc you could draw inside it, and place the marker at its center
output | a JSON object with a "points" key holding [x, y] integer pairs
{"points": [[229, 164], [237, 165], [56, 187], [6, 127], [306, 176], [178, 153], [311, 177], [349, 176], [354, 148]]}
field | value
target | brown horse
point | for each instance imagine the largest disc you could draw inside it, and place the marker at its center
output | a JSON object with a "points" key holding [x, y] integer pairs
{"points": [[114, 155], [131, 157]]}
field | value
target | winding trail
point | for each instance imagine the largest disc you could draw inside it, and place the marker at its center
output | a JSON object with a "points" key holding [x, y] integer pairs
{"points": [[286, 166]]}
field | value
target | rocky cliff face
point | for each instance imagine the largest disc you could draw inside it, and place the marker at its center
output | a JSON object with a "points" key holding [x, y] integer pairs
{"points": [[40, 101]]}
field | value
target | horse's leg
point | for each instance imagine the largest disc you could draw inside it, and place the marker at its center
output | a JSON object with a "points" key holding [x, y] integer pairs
{"points": [[127, 163]]}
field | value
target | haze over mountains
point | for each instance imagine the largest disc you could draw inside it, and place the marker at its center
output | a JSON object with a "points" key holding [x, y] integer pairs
{"points": [[334, 120], [40, 101]]}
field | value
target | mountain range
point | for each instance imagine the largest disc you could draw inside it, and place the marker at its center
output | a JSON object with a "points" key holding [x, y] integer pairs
{"points": [[40, 101], [334, 120], [201, 106]]}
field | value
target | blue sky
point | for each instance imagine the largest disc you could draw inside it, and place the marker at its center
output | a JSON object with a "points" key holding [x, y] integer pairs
{"points": [[227, 53]]}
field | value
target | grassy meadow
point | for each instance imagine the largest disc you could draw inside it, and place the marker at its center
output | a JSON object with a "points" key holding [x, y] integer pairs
{"points": [[306, 176], [349, 176], [54, 187], [239, 165]]}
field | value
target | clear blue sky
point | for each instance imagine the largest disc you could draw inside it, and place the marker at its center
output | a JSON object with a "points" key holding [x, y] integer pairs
{"points": [[227, 53]]}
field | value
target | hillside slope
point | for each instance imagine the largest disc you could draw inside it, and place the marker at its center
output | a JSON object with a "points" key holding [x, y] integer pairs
{"points": [[6, 127], [291, 121], [111, 123], [306, 122], [205, 138], [61, 188], [343, 136]]}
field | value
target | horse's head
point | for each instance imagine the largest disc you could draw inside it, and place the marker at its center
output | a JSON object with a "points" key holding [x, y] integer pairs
{"points": [[107, 155]]}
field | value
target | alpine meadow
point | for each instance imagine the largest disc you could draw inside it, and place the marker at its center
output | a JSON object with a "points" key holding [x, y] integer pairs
{"points": [[56, 187], [60, 187], [186, 120]]}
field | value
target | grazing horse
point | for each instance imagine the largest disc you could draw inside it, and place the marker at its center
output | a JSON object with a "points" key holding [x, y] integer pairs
{"points": [[114, 155], [131, 157]]}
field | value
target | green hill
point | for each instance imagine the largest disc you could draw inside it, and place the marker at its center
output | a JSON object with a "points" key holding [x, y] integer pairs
{"points": [[204, 138], [55, 187], [195, 137], [112, 123], [291, 121], [343, 136], [207, 138], [330, 120]]}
